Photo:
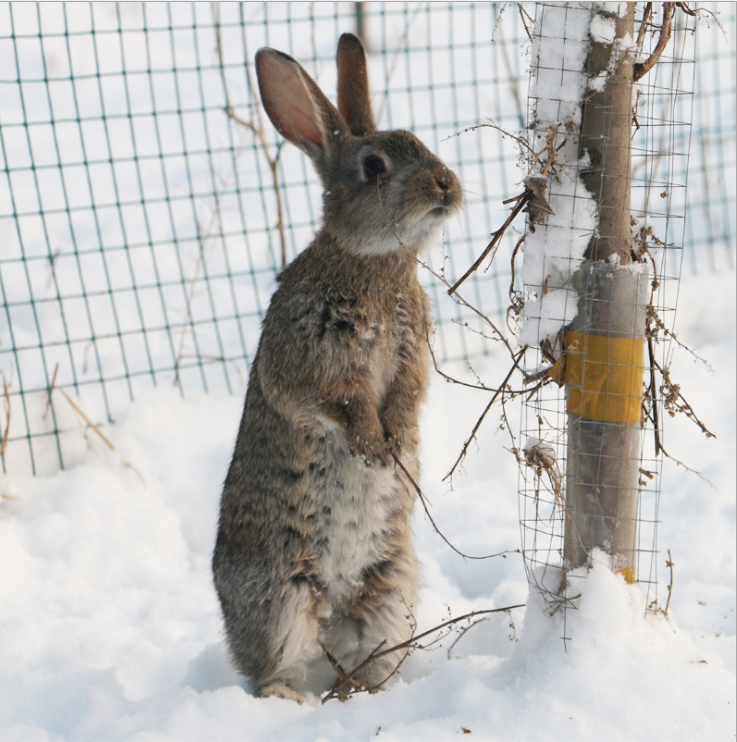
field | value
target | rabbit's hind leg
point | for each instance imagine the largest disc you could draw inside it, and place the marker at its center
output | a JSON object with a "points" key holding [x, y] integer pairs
{"points": [[385, 614], [294, 642], [272, 643]]}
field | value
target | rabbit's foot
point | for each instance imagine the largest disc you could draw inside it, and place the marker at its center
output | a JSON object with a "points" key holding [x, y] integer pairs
{"points": [[280, 690]]}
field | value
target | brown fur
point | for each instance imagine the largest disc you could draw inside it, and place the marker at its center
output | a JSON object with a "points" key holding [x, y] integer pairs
{"points": [[314, 539]]}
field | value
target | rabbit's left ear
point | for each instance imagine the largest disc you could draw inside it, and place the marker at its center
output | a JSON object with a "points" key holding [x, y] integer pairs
{"points": [[354, 98], [297, 107]]}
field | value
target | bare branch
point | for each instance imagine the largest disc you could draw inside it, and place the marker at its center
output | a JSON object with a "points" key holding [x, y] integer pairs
{"points": [[522, 14], [642, 68], [496, 239], [423, 500], [484, 413], [411, 643]]}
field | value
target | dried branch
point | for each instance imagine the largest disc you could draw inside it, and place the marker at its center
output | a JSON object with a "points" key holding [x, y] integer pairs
{"points": [[646, 15], [669, 564], [462, 633], [674, 402], [343, 678], [642, 68], [484, 413], [522, 14], [378, 653], [652, 393], [654, 607], [490, 125], [447, 377], [423, 500], [522, 200], [532, 200], [460, 300], [689, 11]]}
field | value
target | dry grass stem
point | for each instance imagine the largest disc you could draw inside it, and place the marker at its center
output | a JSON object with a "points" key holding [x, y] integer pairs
{"points": [[258, 131], [77, 409], [6, 435]]}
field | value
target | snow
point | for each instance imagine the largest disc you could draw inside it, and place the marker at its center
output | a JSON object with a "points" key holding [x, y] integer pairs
{"points": [[554, 250], [111, 628], [602, 29]]}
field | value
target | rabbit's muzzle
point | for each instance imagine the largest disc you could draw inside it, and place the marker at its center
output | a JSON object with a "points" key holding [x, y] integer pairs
{"points": [[444, 193]]}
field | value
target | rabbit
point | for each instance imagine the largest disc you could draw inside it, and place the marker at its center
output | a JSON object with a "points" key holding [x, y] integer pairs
{"points": [[314, 538]]}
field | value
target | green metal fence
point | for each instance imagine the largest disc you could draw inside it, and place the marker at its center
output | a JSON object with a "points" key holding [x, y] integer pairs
{"points": [[146, 205]]}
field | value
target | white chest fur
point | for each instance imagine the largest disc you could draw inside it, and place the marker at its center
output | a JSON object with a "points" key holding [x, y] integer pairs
{"points": [[357, 505]]}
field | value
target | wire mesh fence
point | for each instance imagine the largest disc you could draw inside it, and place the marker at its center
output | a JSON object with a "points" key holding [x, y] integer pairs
{"points": [[592, 453], [145, 212]]}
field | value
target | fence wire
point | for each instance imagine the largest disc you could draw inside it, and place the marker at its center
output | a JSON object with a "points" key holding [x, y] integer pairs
{"points": [[560, 460], [146, 208]]}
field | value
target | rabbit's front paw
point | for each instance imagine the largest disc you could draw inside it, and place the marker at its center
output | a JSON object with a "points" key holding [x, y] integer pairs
{"points": [[400, 439], [367, 443]]}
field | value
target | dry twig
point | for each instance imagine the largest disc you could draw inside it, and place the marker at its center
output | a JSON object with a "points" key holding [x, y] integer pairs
{"points": [[669, 564], [522, 14], [349, 678], [642, 68], [423, 500], [496, 237], [484, 413]]}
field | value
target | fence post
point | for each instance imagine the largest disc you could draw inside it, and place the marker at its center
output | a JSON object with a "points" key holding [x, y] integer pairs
{"points": [[604, 345]]}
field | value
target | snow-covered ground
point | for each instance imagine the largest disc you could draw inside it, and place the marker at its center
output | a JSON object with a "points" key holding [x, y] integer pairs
{"points": [[110, 628], [109, 624]]}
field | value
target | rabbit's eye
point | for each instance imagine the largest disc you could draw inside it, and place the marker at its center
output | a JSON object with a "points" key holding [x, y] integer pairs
{"points": [[373, 166]]}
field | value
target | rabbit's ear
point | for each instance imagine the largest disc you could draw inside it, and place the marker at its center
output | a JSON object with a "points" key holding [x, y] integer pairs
{"points": [[296, 106], [354, 98]]}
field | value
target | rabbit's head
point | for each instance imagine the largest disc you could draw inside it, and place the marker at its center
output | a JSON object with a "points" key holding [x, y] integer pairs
{"points": [[383, 191]]}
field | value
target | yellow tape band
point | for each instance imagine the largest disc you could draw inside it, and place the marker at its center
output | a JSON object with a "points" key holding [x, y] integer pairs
{"points": [[628, 573], [603, 376]]}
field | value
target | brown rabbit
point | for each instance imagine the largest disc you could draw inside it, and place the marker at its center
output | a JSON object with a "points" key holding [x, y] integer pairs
{"points": [[314, 539]]}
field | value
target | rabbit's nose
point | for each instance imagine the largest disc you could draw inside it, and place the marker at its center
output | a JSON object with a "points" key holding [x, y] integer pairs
{"points": [[442, 182]]}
